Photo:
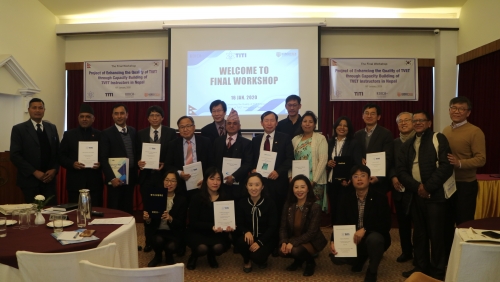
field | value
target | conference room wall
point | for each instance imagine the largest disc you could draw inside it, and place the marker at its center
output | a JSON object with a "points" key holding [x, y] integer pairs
{"points": [[479, 24], [27, 33]]}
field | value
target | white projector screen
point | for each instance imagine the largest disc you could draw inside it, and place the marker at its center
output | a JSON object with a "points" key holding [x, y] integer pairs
{"points": [[252, 69]]}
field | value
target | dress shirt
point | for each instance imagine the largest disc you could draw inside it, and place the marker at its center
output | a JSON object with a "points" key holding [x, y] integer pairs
{"points": [[369, 133], [152, 132], [34, 125], [185, 147], [232, 141], [264, 137], [121, 128], [218, 125], [456, 125]]}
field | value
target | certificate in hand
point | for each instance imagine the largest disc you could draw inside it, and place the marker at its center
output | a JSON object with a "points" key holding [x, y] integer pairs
{"points": [[342, 169], [229, 166], [120, 168], [87, 153], [266, 163], [224, 214], [196, 172], [344, 240], [376, 163], [156, 202], [300, 167], [151, 155]]}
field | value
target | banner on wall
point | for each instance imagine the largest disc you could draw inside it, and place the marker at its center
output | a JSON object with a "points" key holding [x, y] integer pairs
{"points": [[373, 79], [112, 81]]}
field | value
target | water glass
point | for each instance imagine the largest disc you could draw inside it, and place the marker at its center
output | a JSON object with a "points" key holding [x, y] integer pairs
{"points": [[81, 220], [24, 217], [15, 217], [58, 223], [3, 227]]}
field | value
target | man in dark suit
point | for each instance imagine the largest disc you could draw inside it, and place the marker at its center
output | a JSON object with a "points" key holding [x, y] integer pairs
{"points": [[217, 128], [291, 124], [119, 141], [277, 181], [188, 149], [233, 145], [159, 134], [34, 147], [77, 175], [374, 139]]}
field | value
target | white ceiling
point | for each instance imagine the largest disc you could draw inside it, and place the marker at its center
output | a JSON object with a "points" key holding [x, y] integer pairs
{"points": [[95, 11]]}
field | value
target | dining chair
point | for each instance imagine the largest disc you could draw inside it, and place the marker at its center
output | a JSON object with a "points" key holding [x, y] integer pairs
{"points": [[95, 272], [63, 267]]}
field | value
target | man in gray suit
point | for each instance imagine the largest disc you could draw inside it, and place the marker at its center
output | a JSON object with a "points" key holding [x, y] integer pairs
{"points": [[34, 146]]}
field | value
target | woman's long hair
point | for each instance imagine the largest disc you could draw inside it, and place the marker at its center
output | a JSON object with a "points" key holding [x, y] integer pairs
{"points": [[307, 114], [291, 199], [211, 172], [350, 128]]}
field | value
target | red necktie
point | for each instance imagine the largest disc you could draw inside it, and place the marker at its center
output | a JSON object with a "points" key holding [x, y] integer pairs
{"points": [[221, 130], [229, 142], [267, 145]]}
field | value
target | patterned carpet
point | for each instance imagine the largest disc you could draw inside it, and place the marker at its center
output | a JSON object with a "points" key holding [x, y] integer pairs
{"points": [[230, 266]]}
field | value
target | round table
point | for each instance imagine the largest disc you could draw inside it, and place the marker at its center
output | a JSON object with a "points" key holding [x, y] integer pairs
{"points": [[492, 223]]}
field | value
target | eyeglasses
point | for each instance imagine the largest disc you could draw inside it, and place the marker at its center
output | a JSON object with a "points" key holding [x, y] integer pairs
{"points": [[186, 126], [170, 181], [363, 175], [404, 121], [154, 115], [460, 110], [370, 114], [422, 120]]}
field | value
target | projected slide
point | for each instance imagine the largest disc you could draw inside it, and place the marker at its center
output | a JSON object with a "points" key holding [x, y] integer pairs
{"points": [[250, 81]]}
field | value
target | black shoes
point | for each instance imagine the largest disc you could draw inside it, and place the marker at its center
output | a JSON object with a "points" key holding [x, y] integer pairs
{"points": [[309, 269], [148, 248], [212, 261], [263, 266], [154, 262], [191, 264], [247, 269], [404, 257], [296, 264], [370, 276]]}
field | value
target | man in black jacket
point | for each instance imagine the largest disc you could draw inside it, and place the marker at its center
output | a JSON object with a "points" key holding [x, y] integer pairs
{"points": [[418, 172], [78, 176], [217, 128], [369, 212]]}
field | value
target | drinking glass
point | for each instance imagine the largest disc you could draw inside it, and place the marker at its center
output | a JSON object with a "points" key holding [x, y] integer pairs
{"points": [[15, 217], [24, 219], [58, 223], [3, 227], [81, 220]]}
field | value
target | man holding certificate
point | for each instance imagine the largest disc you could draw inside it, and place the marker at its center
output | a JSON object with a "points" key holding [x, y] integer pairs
{"points": [[232, 154], [367, 213], [78, 153], [152, 150]]}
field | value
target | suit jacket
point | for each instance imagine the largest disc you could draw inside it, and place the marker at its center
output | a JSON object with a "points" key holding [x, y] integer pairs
{"points": [[351, 148], [68, 154], [167, 134], [25, 151], [112, 146], [380, 141], [210, 131], [242, 149], [178, 224], [282, 145], [376, 217]]}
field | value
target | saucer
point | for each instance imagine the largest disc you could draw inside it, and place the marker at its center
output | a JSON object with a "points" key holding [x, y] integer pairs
{"points": [[66, 223], [11, 222]]}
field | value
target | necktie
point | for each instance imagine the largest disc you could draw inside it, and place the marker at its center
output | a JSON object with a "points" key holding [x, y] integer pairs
{"points": [[38, 128], [156, 136], [267, 145], [229, 142], [221, 130], [124, 131], [189, 153]]}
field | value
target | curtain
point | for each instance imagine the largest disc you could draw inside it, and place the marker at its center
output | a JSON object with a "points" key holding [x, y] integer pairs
{"points": [[478, 81]]}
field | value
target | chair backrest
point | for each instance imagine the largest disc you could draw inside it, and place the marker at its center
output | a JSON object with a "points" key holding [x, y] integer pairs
{"points": [[94, 272], [63, 267]]}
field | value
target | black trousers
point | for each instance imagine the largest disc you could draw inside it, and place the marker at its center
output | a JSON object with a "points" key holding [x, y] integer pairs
{"points": [[334, 190], [45, 189], [259, 257], [404, 222], [432, 229], [463, 202], [371, 247], [121, 198]]}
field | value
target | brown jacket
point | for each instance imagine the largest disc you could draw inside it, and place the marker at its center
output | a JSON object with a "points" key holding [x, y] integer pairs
{"points": [[311, 232]]}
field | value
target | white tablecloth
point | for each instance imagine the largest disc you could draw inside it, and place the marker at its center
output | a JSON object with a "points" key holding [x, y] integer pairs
{"points": [[473, 261], [125, 238]]}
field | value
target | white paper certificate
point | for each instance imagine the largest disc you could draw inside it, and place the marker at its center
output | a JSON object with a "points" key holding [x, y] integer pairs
{"points": [[229, 166], [87, 153], [196, 172], [300, 167], [266, 163], [376, 163], [151, 155], [224, 214], [344, 240]]}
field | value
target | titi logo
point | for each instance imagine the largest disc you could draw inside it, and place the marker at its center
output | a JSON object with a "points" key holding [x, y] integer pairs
{"points": [[109, 94], [358, 93], [240, 55]]}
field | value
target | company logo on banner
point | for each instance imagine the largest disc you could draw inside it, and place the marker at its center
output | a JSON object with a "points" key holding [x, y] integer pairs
{"points": [[373, 79], [111, 81]]}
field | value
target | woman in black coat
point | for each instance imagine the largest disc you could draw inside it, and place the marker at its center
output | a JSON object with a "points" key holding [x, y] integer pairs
{"points": [[164, 232], [343, 145], [257, 224]]}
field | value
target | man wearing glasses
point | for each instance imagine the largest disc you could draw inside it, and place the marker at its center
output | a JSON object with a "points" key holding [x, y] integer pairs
{"points": [[423, 171], [468, 149], [291, 124], [217, 128], [375, 138]]}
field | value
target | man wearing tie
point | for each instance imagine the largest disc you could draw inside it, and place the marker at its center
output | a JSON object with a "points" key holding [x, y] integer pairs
{"points": [[158, 134], [277, 181], [77, 175], [233, 145], [217, 128], [118, 141], [34, 146], [188, 149]]}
